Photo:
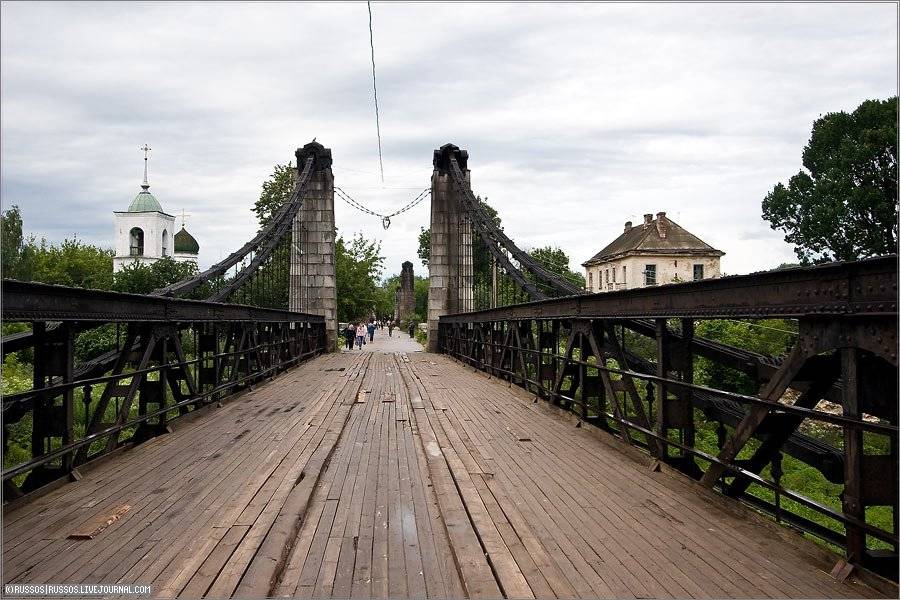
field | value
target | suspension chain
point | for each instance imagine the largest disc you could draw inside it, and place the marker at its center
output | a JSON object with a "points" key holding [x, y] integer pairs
{"points": [[385, 219]]}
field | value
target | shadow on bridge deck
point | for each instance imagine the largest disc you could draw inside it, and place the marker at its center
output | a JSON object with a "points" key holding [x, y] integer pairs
{"points": [[388, 474]]}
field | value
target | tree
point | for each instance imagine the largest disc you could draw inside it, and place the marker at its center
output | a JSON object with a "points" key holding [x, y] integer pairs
{"points": [[71, 263], [844, 205], [420, 291], [357, 268], [137, 278], [276, 190], [12, 245], [424, 250], [557, 261]]}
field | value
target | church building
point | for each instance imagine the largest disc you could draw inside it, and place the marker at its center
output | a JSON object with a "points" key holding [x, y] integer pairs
{"points": [[144, 233]]}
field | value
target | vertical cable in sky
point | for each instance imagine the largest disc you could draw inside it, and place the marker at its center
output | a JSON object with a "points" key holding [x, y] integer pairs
{"points": [[375, 89]]}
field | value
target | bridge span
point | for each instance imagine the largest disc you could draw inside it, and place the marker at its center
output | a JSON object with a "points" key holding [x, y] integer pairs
{"points": [[391, 472]]}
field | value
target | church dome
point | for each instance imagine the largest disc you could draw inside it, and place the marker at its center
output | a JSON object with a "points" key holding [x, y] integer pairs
{"points": [[185, 242], [144, 202]]}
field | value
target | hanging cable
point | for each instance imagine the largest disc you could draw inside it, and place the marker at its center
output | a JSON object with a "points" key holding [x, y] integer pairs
{"points": [[385, 219], [375, 90]]}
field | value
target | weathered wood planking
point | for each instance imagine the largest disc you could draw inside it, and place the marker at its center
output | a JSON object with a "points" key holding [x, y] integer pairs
{"points": [[386, 474]]}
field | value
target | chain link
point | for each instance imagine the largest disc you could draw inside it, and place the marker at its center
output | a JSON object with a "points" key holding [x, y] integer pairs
{"points": [[385, 219]]}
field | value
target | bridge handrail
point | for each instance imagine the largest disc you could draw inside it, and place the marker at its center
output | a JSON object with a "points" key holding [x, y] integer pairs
{"points": [[31, 301], [867, 287]]}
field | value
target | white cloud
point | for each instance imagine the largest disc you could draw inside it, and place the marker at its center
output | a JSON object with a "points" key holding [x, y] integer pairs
{"points": [[577, 117]]}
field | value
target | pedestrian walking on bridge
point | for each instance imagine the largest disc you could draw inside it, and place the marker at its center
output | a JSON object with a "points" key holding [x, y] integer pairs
{"points": [[360, 335], [349, 334]]}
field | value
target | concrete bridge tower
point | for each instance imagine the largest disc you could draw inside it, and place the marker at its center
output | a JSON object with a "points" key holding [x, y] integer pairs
{"points": [[450, 287], [312, 280]]}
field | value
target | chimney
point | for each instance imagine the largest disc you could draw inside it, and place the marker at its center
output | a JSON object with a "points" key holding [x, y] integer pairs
{"points": [[662, 224], [647, 218], [627, 226]]}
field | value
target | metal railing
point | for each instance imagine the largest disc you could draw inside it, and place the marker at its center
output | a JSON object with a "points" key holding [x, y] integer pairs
{"points": [[625, 362], [171, 357]]}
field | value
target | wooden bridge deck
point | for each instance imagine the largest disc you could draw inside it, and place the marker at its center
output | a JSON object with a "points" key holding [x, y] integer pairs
{"points": [[384, 473]]}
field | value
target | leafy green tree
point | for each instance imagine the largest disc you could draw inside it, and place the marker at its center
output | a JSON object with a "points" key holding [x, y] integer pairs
{"points": [[424, 250], [844, 205], [420, 291], [554, 259], [15, 252], [72, 263], [358, 268], [136, 278], [276, 190]]}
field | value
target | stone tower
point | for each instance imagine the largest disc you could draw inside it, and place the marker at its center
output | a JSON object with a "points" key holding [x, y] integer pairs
{"points": [[450, 283], [312, 284], [406, 297]]}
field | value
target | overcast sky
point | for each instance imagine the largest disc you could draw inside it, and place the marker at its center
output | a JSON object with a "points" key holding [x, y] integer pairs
{"points": [[577, 117]]}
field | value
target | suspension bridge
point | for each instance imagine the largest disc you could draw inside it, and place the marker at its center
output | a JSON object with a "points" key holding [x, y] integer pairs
{"points": [[548, 444]]}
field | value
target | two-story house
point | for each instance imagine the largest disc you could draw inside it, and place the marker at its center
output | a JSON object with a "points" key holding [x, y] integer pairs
{"points": [[656, 252]]}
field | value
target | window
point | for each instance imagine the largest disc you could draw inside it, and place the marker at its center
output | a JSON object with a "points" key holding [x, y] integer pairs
{"points": [[650, 275], [624, 275], [591, 280], [698, 272], [607, 276], [165, 242], [614, 274], [137, 241]]}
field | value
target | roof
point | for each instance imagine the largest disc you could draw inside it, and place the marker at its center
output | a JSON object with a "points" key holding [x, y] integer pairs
{"points": [[656, 236], [144, 202], [185, 242]]}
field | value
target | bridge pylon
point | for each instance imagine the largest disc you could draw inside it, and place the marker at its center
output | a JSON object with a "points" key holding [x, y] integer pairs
{"points": [[313, 287], [450, 288]]}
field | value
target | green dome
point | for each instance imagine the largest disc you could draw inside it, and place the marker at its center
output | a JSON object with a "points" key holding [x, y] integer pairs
{"points": [[185, 242], [144, 202]]}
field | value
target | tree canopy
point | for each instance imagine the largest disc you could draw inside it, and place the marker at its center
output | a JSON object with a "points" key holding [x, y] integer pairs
{"points": [[275, 192], [557, 261], [844, 205], [136, 278], [358, 265]]}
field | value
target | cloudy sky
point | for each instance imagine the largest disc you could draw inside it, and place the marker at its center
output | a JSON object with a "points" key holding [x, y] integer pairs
{"points": [[577, 117]]}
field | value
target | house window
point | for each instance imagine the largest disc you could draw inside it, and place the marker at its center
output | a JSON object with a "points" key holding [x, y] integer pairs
{"points": [[165, 242], [607, 277], [614, 274], [137, 241], [624, 276], [650, 275], [698, 272], [591, 280]]}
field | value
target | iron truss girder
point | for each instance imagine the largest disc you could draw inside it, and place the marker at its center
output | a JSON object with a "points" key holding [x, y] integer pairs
{"points": [[862, 288], [42, 302]]}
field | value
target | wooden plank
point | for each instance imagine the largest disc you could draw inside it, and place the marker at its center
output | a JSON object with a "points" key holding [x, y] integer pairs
{"points": [[477, 576], [92, 527]]}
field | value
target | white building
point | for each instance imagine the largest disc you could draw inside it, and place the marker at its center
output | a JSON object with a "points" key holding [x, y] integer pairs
{"points": [[656, 252], [145, 233]]}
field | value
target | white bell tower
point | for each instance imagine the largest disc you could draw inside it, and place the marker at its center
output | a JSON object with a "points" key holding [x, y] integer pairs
{"points": [[144, 233]]}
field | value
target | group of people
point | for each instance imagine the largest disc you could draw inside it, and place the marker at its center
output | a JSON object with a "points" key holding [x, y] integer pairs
{"points": [[359, 331]]}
